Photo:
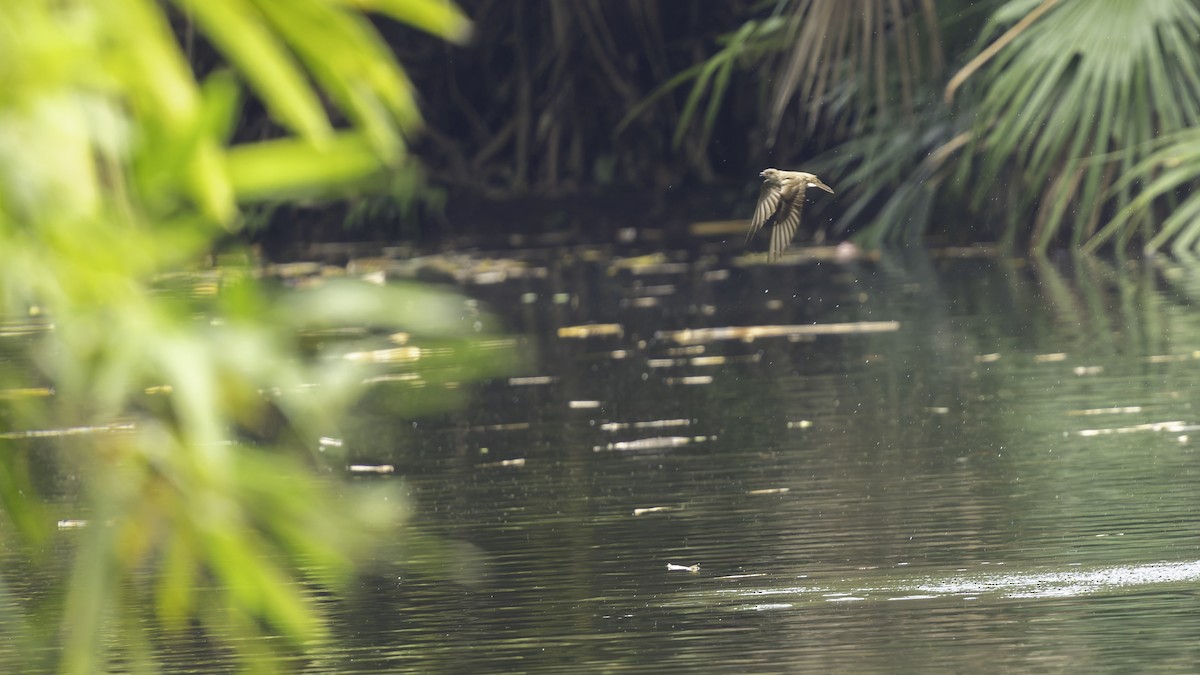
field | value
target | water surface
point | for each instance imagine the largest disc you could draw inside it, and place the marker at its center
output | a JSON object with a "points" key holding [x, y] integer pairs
{"points": [[921, 461], [1004, 478]]}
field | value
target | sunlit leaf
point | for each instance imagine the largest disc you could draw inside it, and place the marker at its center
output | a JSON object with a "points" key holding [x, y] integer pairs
{"points": [[292, 167], [265, 61], [439, 17]]}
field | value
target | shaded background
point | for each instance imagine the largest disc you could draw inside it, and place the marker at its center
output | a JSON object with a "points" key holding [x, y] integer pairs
{"points": [[1029, 123]]}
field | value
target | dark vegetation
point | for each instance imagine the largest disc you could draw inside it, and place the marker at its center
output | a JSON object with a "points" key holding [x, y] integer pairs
{"points": [[1033, 123]]}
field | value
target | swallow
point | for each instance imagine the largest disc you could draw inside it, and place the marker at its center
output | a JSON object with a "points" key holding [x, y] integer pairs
{"points": [[782, 199]]}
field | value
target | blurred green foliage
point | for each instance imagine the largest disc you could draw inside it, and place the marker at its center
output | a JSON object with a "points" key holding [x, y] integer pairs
{"points": [[179, 407]]}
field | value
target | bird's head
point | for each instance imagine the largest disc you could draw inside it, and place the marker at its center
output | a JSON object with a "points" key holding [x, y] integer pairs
{"points": [[769, 173]]}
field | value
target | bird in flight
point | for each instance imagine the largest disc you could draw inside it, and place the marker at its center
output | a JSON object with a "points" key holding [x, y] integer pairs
{"points": [[782, 198]]}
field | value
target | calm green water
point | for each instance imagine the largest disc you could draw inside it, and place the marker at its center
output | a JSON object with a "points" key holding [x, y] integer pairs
{"points": [[1005, 479]]}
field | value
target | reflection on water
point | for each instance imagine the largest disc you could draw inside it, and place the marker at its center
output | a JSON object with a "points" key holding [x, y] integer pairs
{"points": [[996, 467], [923, 461]]}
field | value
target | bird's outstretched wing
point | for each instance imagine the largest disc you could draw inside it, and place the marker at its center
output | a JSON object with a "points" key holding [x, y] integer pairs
{"points": [[768, 201], [787, 224]]}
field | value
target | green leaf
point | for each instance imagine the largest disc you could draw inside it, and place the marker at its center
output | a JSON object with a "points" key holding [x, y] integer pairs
{"points": [[237, 28], [294, 167], [1087, 88], [438, 17]]}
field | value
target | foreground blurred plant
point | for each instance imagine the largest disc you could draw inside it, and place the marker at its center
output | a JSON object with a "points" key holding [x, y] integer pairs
{"points": [[115, 167]]}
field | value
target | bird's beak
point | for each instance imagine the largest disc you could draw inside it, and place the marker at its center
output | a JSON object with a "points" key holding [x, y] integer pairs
{"points": [[762, 174], [819, 184]]}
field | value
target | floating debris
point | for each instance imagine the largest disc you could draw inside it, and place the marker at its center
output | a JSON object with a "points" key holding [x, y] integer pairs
{"points": [[717, 228], [294, 270], [770, 491], [751, 333], [937, 410], [652, 424], [520, 461], [72, 524], [653, 443], [1173, 427], [534, 380], [638, 261], [690, 380], [844, 252], [654, 263], [641, 291], [338, 332], [987, 358], [583, 405], [843, 597], [591, 330], [511, 426], [1082, 371], [640, 303], [653, 509], [1172, 358], [462, 268], [693, 569], [411, 379], [800, 424], [371, 468], [116, 427], [393, 355], [1050, 358]]}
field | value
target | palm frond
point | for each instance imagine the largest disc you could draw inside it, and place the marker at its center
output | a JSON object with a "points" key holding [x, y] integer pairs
{"points": [[712, 77], [1173, 166], [877, 51], [1076, 99], [895, 173]]}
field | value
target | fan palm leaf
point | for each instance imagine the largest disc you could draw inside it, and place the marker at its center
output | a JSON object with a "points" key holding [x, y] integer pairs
{"points": [[895, 173], [851, 61], [1174, 165], [1076, 99]]}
